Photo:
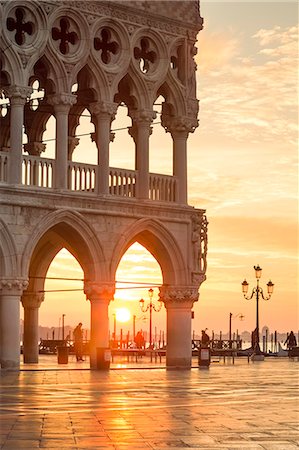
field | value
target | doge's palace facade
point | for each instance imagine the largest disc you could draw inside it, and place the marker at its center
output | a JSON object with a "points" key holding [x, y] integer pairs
{"points": [[116, 53]]}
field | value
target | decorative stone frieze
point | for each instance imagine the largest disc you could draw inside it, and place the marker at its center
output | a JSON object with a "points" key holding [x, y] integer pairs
{"points": [[11, 286], [32, 300], [178, 296], [98, 291]]}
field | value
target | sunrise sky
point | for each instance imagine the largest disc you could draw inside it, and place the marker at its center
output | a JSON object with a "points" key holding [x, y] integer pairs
{"points": [[242, 169]]}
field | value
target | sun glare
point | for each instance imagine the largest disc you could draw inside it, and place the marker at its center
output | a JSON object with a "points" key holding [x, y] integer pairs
{"points": [[123, 315]]}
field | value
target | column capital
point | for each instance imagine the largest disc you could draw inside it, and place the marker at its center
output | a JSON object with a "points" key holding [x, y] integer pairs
{"points": [[35, 148], [62, 102], [179, 126], [99, 291], [13, 286], [103, 108], [142, 116], [18, 94], [179, 296], [32, 300]]}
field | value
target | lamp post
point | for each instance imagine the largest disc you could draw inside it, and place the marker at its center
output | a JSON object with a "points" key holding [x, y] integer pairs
{"points": [[258, 292], [150, 307], [114, 329], [63, 316]]}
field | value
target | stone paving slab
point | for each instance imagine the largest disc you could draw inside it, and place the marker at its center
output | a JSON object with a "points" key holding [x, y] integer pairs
{"points": [[228, 406]]}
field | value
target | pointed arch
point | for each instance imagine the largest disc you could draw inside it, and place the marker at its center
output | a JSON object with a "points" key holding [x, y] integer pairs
{"points": [[67, 229], [152, 235], [8, 253], [175, 104]]}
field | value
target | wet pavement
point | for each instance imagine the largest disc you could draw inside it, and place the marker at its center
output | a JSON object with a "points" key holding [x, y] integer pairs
{"points": [[143, 406]]}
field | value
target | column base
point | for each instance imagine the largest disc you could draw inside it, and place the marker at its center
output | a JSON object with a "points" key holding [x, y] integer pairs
{"points": [[178, 363]]}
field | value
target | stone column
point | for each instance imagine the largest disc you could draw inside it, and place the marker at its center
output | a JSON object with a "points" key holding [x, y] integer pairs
{"points": [[18, 96], [180, 127], [10, 295], [99, 296], [104, 113], [179, 301], [141, 131], [31, 303], [61, 104]]}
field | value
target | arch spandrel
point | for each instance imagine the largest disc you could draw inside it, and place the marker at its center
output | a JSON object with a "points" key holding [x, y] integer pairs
{"points": [[70, 230], [8, 253], [159, 241]]}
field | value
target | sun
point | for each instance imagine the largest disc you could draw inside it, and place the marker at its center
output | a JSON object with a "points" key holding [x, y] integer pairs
{"points": [[123, 315]]}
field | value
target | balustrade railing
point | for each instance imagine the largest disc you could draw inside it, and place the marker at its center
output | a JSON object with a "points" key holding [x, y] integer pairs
{"points": [[4, 167], [122, 182], [37, 171], [163, 187], [81, 177]]}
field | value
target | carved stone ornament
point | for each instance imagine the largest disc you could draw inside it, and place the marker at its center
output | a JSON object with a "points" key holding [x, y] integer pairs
{"points": [[179, 124], [62, 99], [98, 291], [197, 278], [18, 92], [199, 240], [143, 116], [35, 148], [13, 286], [179, 295], [32, 300], [102, 107]]}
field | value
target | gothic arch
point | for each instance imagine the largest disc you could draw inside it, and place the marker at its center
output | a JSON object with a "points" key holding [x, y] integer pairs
{"points": [[174, 99], [152, 235], [64, 229], [8, 253]]}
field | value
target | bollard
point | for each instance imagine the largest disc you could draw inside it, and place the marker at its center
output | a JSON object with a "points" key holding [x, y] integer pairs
{"points": [[103, 358], [204, 357], [63, 355]]}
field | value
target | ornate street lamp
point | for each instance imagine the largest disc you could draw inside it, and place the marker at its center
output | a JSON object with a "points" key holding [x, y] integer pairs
{"points": [[257, 291], [150, 307]]}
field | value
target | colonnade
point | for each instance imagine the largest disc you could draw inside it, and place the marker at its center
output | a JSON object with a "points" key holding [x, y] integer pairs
{"points": [[178, 302], [103, 113]]}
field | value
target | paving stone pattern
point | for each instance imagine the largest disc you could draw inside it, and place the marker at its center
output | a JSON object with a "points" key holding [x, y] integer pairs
{"points": [[244, 406]]}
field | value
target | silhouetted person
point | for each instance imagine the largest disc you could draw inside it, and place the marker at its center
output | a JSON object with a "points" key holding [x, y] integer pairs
{"points": [[205, 338], [139, 340], [291, 341], [78, 342]]}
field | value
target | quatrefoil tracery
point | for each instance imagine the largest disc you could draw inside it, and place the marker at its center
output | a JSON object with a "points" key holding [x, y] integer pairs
{"points": [[107, 45], [65, 36], [145, 55], [20, 25]]}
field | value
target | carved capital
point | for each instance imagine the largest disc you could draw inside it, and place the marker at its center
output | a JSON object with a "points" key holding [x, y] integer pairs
{"points": [[62, 102], [14, 286], [103, 108], [35, 148], [142, 116], [99, 291], [179, 126], [18, 94], [32, 300], [179, 296]]}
